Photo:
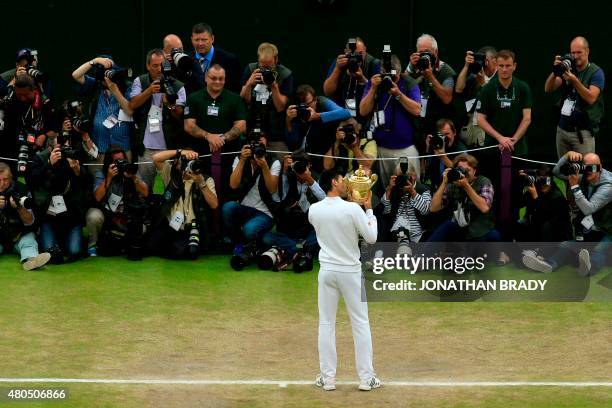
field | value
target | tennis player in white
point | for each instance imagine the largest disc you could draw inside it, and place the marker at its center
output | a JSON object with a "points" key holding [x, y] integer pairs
{"points": [[338, 224]]}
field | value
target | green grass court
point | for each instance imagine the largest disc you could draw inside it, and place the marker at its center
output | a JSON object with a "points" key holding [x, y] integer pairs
{"points": [[107, 318]]}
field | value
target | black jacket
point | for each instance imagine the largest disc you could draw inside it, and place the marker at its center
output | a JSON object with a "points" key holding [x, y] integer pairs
{"points": [[227, 60]]}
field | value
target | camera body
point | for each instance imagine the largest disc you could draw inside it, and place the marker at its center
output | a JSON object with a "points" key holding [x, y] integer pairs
{"points": [[21, 201], [355, 60], [244, 256], [303, 260], [478, 64], [193, 166], [426, 60], [403, 178], [303, 113], [268, 75], [73, 110], [299, 166], [166, 81], [124, 166], [568, 64], [116, 74], [528, 178], [571, 168], [387, 73], [350, 135], [25, 139], [438, 141], [69, 153], [456, 173]]}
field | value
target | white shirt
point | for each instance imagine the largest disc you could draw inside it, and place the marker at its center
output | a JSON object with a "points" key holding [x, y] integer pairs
{"points": [[253, 199], [338, 225]]}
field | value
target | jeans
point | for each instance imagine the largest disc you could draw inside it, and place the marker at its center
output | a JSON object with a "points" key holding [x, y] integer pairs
{"points": [[597, 255], [451, 231], [26, 247], [245, 222], [288, 244], [50, 235]]}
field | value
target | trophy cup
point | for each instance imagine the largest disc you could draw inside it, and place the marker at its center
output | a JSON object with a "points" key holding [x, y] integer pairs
{"points": [[359, 185]]}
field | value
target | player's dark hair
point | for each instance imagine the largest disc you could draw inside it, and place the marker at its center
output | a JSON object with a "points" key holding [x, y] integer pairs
{"points": [[325, 181]]}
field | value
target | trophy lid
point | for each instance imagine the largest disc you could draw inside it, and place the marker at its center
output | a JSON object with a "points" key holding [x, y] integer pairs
{"points": [[360, 176]]}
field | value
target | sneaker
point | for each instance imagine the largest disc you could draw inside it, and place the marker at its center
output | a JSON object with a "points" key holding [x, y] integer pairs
{"points": [[92, 251], [584, 262], [367, 385], [536, 263], [327, 385], [36, 261]]}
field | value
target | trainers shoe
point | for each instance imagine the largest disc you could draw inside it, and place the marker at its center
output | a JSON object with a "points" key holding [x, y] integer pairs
{"points": [[36, 261], [367, 385], [92, 251], [327, 385], [584, 262], [536, 263]]}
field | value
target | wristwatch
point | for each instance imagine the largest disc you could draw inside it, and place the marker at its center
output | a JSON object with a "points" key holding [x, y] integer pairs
{"points": [[398, 96]]}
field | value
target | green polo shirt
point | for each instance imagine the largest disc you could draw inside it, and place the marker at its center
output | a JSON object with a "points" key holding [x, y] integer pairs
{"points": [[504, 109], [214, 115]]}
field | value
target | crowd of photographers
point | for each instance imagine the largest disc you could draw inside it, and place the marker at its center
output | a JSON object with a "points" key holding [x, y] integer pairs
{"points": [[78, 177]]}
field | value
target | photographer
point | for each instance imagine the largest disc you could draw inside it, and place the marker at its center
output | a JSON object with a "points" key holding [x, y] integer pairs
{"points": [[348, 75], [477, 71], [582, 102], [169, 43], [117, 188], [591, 186], [299, 191], [26, 63], [436, 81], [470, 196], [547, 212], [17, 220], [444, 141], [394, 103], [184, 229], [77, 128], [255, 182], [311, 124], [157, 100], [109, 110], [352, 147], [267, 87], [406, 201], [61, 189]]}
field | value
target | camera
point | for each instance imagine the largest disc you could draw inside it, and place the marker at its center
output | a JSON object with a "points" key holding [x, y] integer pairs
{"points": [[35, 73], [403, 242], [268, 76], [299, 166], [274, 259], [25, 139], [136, 213], [303, 260], [478, 64], [387, 73], [69, 153], [403, 178], [124, 166], [73, 110], [349, 134], [426, 60], [570, 168], [568, 63], [243, 256], [303, 113], [21, 201], [528, 177], [193, 245], [456, 173], [258, 149], [166, 81], [355, 60], [182, 61], [193, 166], [438, 141], [116, 74]]}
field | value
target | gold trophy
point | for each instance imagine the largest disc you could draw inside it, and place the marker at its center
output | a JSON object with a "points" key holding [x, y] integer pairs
{"points": [[359, 185]]}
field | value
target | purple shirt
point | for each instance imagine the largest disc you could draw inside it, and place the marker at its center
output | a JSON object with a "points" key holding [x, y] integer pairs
{"points": [[398, 131]]}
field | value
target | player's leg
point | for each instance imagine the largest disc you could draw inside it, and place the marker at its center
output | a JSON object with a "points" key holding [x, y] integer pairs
{"points": [[328, 305]]}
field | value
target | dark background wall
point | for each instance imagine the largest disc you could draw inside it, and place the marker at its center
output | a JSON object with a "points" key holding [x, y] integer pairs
{"points": [[310, 35]]}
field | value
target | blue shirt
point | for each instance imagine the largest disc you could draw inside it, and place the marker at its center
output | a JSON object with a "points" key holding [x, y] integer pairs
{"points": [[104, 138], [207, 57]]}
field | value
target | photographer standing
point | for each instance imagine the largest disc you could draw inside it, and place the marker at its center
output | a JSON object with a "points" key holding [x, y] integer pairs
{"points": [[157, 100], [312, 122], [267, 87], [184, 228], [109, 110], [299, 191], [17, 220], [348, 75], [394, 103], [470, 196], [117, 190], [582, 102], [436, 81], [477, 71], [255, 182], [61, 191], [26, 63], [591, 186]]}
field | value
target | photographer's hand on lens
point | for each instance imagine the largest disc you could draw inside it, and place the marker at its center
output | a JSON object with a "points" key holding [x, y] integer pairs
{"points": [[462, 182], [245, 153], [292, 112], [342, 61], [314, 115], [533, 191], [112, 172], [155, 87], [573, 156], [428, 74], [189, 154], [469, 58], [56, 155], [287, 162], [395, 91], [261, 162], [376, 80], [570, 77], [414, 58], [255, 78], [107, 63], [573, 179], [445, 175]]}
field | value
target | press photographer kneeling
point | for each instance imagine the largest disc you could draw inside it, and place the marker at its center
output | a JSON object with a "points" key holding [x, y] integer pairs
{"points": [[17, 221], [183, 229], [591, 186], [118, 220]]}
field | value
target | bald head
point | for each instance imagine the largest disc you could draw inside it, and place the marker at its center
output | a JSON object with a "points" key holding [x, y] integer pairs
{"points": [[591, 158], [172, 41], [579, 48], [580, 41]]}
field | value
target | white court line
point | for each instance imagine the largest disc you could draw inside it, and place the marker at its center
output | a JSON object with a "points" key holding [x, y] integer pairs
{"points": [[285, 383]]}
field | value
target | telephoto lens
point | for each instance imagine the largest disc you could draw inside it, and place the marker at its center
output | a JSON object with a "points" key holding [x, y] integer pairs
{"points": [[194, 240]]}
